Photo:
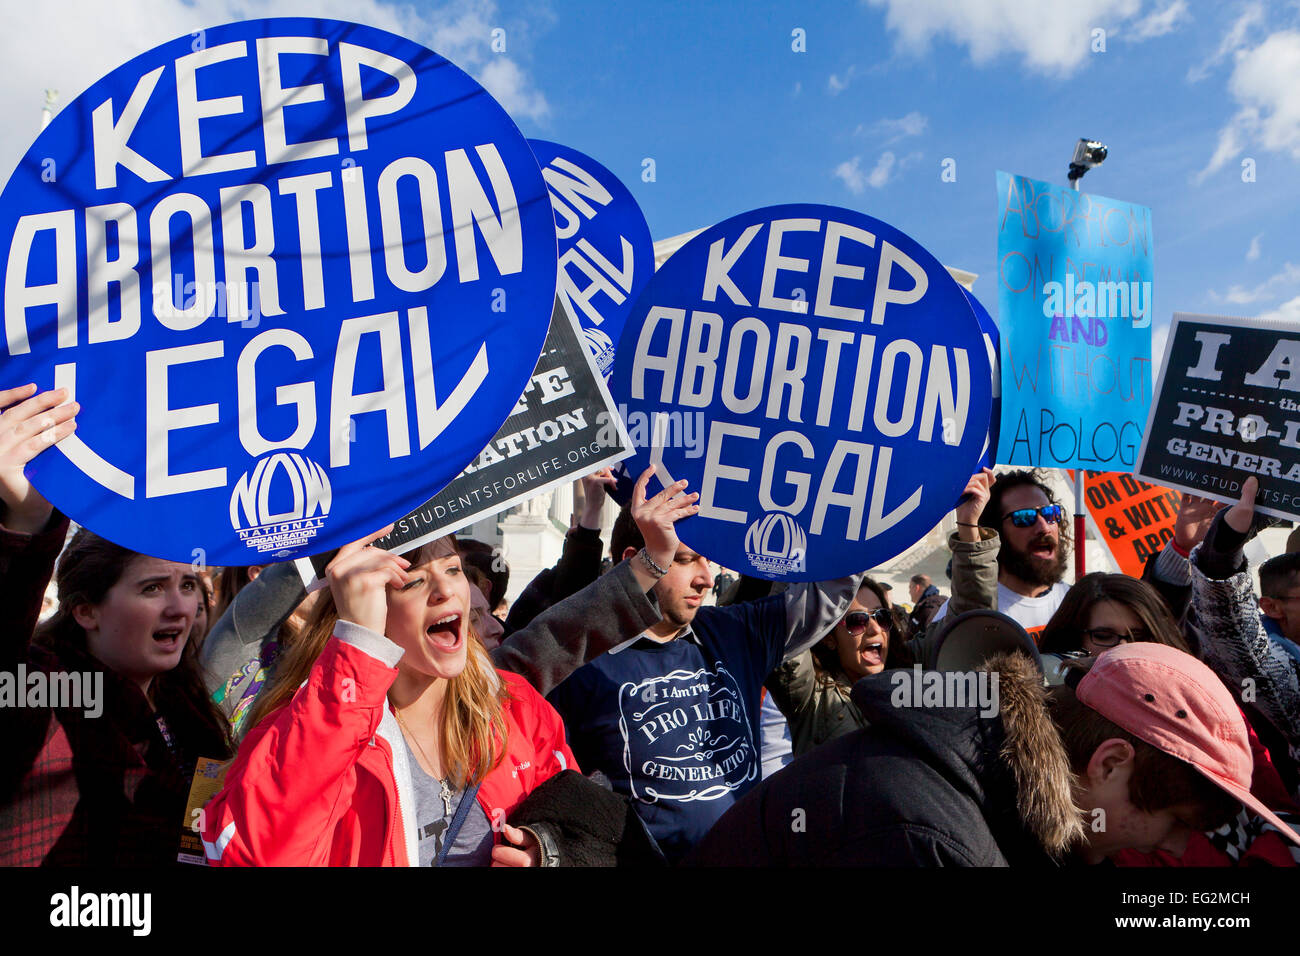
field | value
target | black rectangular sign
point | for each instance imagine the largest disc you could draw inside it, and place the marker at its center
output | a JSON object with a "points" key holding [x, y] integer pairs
{"points": [[1228, 407]]}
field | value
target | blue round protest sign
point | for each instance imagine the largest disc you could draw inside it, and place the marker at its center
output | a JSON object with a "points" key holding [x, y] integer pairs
{"points": [[606, 254], [992, 340], [818, 377], [296, 272]]}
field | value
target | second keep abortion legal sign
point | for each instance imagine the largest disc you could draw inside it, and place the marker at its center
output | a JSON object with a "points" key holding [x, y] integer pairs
{"points": [[841, 376]]}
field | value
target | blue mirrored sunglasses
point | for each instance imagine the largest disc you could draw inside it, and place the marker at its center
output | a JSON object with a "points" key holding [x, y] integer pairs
{"points": [[1026, 517]]}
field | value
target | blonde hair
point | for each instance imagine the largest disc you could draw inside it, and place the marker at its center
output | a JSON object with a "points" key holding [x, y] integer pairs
{"points": [[472, 727]]}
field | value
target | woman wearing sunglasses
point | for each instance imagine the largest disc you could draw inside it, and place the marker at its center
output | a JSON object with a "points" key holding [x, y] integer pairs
{"points": [[812, 688]]}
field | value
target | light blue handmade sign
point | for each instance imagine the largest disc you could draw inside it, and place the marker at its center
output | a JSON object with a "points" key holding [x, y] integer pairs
{"points": [[1074, 311]]}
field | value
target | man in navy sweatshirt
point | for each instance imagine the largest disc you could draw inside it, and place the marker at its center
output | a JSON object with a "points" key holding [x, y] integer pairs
{"points": [[671, 714]]}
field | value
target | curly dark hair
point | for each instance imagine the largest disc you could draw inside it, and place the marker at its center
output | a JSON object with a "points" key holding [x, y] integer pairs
{"points": [[991, 516]]}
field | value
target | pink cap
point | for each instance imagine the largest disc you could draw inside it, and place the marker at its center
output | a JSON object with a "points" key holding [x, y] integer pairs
{"points": [[1172, 701]]}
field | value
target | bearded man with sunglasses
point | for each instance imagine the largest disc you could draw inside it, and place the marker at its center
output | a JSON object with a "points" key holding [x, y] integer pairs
{"points": [[1034, 550]]}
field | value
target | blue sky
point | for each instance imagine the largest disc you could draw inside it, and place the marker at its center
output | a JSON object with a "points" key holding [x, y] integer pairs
{"points": [[735, 118]]}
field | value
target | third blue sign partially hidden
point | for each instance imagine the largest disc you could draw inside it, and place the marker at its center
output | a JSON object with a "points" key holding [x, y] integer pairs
{"points": [[606, 255]]}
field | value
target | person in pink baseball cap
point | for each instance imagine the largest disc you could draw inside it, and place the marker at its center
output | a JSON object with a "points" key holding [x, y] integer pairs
{"points": [[1139, 750], [1162, 699]]}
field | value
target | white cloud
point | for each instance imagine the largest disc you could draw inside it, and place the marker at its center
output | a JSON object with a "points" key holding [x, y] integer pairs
{"points": [[880, 174], [798, 88], [1288, 311], [1287, 276], [1158, 23], [837, 84], [851, 172], [1052, 38], [1253, 252], [1232, 41], [910, 159], [857, 179], [1267, 82], [1266, 85], [1230, 143], [510, 86], [75, 42], [892, 130]]}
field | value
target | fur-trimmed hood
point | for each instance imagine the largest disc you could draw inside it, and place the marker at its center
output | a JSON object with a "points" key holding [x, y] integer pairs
{"points": [[1011, 761]]}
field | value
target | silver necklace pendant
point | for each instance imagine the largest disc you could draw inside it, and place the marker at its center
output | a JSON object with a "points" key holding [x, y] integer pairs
{"points": [[446, 797]]}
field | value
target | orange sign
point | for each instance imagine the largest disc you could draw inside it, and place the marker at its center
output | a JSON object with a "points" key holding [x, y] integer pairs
{"points": [[1134, 519]]}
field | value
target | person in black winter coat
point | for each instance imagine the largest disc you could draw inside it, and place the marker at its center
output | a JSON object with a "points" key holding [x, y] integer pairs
{"points": [[917, 787], [1019, 780], [926, 601]]}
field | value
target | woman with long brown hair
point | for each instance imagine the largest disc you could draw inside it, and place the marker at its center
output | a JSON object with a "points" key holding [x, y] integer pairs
{"points": [[1101, 611], [98, 769]]}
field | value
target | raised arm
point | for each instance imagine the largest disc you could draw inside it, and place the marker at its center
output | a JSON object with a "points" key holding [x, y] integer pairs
{"points": [[974, 566], [1168, 571], [813, 608], [249, 624], [609, 610], [1224, 619], [296, 771], [31, 531], [974, 551], [567, 635], [579, 563]]}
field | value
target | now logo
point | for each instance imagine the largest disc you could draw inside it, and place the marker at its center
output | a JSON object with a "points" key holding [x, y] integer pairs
{"points": [[305, 481]]}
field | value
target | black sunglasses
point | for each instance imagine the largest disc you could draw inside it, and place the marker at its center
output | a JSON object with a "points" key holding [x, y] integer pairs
{"points": [[1027, 517], [857, 620]]}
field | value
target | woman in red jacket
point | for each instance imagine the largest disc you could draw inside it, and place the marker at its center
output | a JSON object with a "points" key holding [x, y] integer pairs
{"points": [[388, 738]]}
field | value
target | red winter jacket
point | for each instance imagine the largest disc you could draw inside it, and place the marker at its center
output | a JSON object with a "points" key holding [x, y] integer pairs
{"points": [[326, 781]]}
